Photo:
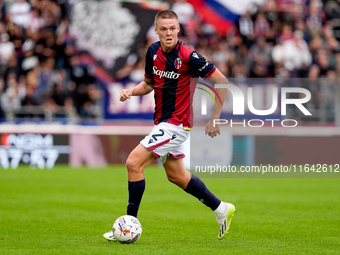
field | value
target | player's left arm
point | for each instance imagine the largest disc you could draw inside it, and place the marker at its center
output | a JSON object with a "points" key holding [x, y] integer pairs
{"points": [[200, 66], [217, 78]]}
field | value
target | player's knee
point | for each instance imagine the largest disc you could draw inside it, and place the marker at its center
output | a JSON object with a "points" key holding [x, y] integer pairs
{"points": [[132, 164], [171, 179], [175, 179]]}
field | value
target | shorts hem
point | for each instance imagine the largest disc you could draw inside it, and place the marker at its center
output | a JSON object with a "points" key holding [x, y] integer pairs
{"points": [[182, 155], [156, 155]]}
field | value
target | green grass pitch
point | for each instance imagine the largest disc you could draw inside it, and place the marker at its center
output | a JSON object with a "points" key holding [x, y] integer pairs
{"points": [[66, 210]]}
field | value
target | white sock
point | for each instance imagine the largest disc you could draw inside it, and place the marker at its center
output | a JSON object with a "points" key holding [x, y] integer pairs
{"points": [[220, 210]]}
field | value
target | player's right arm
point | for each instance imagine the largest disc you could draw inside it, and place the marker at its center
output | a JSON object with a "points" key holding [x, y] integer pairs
{"points": [[143, 88]]}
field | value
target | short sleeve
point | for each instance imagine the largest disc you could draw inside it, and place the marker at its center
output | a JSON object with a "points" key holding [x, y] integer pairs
{"points": [[200, 66]]}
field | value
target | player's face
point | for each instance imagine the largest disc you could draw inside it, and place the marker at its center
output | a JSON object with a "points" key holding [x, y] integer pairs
{"points": [[167, 31]]}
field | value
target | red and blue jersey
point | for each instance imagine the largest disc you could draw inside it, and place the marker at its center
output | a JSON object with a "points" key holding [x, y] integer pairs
{"points": [[172, 72]]}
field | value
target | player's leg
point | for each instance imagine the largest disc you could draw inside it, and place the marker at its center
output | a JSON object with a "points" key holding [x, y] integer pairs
{"points": [[193, 185], [190, 183], [176, 172], [137, 161], [159, 139]]}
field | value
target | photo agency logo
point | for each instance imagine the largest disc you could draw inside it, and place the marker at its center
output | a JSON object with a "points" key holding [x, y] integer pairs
{"points": [[206, 88], [246, 97]]}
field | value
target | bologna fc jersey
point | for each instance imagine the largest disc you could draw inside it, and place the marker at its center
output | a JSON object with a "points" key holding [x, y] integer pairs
{"points": [[172, 72]]}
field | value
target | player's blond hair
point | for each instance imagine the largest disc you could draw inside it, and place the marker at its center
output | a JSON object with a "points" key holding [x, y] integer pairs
{"points": [[166, 14]]}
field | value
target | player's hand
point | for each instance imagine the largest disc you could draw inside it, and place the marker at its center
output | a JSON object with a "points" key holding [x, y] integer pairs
{"points": [[211, 130], [125, 94]]}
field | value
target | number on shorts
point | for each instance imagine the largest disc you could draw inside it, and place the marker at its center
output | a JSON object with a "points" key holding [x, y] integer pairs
{"points": [[155, 135]]}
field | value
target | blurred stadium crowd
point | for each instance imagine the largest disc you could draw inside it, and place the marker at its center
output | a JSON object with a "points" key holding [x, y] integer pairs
{"points": [[40, 79]]}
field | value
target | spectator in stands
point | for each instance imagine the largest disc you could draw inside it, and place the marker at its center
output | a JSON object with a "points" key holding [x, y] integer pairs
{"points": [[29, 105], [36, 22], [313, 19], [3, 29], [87, 100], [220, 51], [287, 32], [19, 13], [7, 52], [293, 54], [58, 98], [185, 13], [10, 101], [260, 53], [61, 99], [300, 25], [2, 10], [322, 60], [137, 74], [270, 10], [2, 89], [29, 59], [261, 25], [246, 28], [129, 67]]}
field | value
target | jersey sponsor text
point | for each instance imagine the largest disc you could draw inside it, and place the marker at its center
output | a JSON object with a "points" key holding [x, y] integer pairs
{"points": [[166, 74]]}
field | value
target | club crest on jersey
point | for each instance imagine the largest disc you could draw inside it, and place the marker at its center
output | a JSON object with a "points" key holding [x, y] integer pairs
{"points": [[178, 63]]}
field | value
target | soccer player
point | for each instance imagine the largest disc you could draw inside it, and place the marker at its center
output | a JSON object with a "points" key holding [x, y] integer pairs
{"points": [[170, 65]]}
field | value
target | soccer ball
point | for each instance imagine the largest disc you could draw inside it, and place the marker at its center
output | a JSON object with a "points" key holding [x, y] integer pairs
{"points": [[127, 229]]}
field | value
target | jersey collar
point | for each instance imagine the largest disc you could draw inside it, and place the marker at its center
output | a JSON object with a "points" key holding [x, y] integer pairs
{"points": [[175, 48]]}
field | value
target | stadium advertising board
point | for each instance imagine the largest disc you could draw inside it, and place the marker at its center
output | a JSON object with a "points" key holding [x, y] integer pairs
{"points": [[36, 150], [134, 108]]}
